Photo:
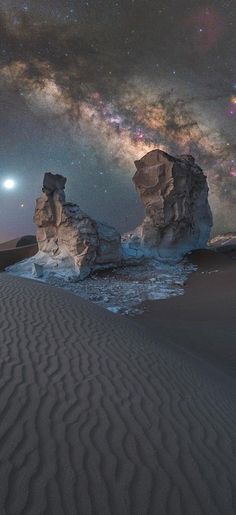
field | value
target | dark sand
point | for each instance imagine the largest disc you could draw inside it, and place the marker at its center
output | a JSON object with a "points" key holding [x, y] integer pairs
{"points": [[9, 245], [203, 320], [98, 419], [10, 256], [21, 241]]}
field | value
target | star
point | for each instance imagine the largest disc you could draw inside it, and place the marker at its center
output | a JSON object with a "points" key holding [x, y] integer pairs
{"points": [[93, 85], [9, 184]]}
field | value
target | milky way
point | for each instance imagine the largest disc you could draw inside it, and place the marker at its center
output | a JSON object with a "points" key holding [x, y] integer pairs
{"points": [[124, 89]]}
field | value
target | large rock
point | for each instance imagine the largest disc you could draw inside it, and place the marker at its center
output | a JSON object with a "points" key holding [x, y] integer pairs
{"points": [[178, 218], [65, 233]]}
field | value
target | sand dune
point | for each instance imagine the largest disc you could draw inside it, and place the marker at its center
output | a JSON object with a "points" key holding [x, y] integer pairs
{"points": [[203, 319], [21, 241], [10, 244], [11, 256], [98, 419]]}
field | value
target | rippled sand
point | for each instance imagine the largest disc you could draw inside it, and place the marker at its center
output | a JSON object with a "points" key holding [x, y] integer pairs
{"points": [[97, 418]]}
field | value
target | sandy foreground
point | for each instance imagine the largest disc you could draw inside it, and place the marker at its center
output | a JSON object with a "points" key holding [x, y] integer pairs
{"points": [[98, 418], [203, 320]]}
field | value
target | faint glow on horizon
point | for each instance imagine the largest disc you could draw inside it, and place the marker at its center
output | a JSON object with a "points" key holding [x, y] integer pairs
{"points": [[9, 184]]}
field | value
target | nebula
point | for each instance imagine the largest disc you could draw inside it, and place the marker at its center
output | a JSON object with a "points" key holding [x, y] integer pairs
{"points": [[122, 117]]}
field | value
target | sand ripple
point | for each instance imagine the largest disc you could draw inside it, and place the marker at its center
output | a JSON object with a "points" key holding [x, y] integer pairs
{"points": [[98, 420]]}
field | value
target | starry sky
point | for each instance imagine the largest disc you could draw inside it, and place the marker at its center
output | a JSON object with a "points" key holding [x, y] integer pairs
{"points": [[87, 87]]}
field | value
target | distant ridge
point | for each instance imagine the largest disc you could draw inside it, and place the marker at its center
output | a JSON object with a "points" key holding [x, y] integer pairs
{"points": [[21, 241], [228, 238]]}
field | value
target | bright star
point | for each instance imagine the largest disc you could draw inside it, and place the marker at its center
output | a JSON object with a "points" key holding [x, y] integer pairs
{"points": [[9, 184]]}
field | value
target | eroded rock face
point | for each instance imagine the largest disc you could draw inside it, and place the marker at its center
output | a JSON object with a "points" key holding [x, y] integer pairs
{"points": [[174, 191], [65, 231]]}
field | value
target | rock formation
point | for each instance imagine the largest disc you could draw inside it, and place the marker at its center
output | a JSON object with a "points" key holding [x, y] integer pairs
{"points": [[175, 195], [65, 233], [178, 219]]}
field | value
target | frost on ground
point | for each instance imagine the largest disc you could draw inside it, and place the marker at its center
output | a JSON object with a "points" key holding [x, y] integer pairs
{"points": [[123, 290]]}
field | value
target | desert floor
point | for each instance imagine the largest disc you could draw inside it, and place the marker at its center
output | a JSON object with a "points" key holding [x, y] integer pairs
{"points": [[99, 415]]}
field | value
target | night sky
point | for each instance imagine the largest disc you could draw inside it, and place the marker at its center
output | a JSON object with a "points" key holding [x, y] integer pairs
{"points": [[87, 87]]}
